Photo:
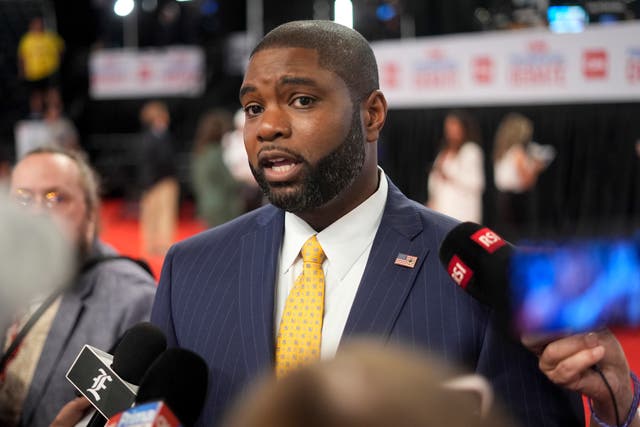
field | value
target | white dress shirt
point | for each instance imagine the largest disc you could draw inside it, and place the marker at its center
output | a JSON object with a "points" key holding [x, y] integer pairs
{"points": [[346, 244]]}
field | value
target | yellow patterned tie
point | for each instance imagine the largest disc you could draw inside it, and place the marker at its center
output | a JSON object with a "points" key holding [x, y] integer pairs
{"points": [[300, 333]]}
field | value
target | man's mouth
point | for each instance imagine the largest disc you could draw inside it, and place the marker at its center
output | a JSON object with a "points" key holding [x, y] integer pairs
{"points": [[280, 168]]}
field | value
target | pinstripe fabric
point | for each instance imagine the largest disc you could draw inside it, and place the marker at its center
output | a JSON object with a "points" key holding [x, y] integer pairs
{"points": [[216, 298]]}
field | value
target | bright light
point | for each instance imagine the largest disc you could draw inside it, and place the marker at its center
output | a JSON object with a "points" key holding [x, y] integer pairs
{"points": [[343, 13], [123, 7]]}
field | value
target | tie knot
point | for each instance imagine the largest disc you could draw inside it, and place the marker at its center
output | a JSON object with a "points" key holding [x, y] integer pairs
{"points": [[312, 251]]}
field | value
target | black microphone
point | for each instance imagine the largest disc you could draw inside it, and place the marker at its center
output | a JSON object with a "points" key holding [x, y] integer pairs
{"points": [[134, 353], [171, 393], [477, 259]]}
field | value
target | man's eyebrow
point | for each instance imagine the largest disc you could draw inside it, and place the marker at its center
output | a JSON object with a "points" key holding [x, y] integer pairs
{"points": [[246, 89], [286, 80]]}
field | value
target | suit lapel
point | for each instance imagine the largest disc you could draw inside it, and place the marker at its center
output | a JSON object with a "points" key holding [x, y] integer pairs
{"points": [[385, 286], [64, 323], [258, 264]]}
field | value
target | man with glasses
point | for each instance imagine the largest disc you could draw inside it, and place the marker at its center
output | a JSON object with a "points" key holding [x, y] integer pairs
{"points": [[107, 296]]}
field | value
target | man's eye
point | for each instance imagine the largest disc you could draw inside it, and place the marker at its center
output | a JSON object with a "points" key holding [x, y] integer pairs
{"points": [[303, 101], [252, 110]]}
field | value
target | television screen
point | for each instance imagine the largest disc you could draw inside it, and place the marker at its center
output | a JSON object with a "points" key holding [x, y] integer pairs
{"points": [[567, 19]]}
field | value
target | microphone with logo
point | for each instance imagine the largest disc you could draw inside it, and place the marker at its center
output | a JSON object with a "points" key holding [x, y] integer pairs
{"points": [[110, 383], [171, 393], [477, 259], [547, 289]]}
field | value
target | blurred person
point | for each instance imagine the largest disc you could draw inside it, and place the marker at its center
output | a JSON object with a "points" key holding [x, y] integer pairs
{"points": [[369, 384], [218, 194], [235, 157], [314, 113], [107, 296], [157, 180], [39, 56], [62, 132], [516, 171], [456, 180]]}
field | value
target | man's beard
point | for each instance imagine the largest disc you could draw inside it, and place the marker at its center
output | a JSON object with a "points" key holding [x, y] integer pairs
{"points": [[84, 246], [324, 181]]}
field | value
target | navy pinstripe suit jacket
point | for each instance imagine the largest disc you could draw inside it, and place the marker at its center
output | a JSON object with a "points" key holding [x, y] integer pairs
{"points": [[216, 297]]}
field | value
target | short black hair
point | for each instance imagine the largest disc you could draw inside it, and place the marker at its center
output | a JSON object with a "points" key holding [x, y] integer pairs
{"points": [[341, 50]]}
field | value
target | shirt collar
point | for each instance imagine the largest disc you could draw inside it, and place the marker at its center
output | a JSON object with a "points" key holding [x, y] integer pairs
{"points": [[343, 241]]}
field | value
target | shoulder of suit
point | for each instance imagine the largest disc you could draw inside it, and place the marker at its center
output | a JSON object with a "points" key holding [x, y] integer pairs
{"points": [[230, 232]]}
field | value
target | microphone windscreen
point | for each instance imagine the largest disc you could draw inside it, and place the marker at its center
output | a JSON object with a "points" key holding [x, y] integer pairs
{"points": [[456, 241], [138, 348], [179, 378], [477, 259], [35, 259]]}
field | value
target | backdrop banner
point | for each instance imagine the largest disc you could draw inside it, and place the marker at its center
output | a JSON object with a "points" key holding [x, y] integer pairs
{"points": [[131, 73], [534, 66]]}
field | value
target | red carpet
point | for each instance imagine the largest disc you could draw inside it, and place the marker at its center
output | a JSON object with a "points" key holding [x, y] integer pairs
{"points": [[120, 229]]}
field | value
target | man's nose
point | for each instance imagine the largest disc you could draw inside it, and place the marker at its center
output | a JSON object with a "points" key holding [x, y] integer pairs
{"points": [[274, 124]]}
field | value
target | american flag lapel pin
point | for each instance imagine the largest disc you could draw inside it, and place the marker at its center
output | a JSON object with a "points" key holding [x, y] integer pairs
{"points": [[406, 260]]}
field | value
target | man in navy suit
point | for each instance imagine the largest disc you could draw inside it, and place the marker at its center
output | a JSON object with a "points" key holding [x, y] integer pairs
{"points": [[314, 113]]}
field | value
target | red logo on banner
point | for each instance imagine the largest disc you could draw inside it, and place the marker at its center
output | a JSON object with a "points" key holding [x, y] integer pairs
{"points": [[390, 72], [488, 240], [459, 272], [482, 69], [434, 54], [632, 68], [144, 72], [595, 64], [538, 46]]}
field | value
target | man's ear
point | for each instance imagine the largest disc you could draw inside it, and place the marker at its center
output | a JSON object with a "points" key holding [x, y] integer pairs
{"points": [[374, 115]]}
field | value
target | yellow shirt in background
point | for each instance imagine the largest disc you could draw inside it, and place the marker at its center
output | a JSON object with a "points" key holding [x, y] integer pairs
{"points": [[40, 54]]}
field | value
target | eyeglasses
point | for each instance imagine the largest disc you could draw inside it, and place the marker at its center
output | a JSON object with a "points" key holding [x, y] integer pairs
{"points": [[50, 200]]}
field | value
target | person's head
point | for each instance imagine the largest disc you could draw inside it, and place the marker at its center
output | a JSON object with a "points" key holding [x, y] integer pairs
{"points": [[460, 127], [514, 129], [367, 384], [211, 127], [36, 24], [63, 185], [155, 115], [313, 117]]}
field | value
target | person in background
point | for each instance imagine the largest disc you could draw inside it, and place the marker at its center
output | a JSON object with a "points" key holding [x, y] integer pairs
{"points": [[235, 157], [62, 131], [369, 384], [456, 180], [157, 180], [217, 193], [516, 171], [39, 56], [107, 296]]}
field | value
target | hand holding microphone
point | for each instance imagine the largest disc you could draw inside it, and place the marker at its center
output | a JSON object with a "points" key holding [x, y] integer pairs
{"points": [[593, 363]]}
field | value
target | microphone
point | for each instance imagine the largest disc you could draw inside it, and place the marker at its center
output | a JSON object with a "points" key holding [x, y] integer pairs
{"points": [[171, 393], [548, 289], [109, 383], [28, 241], [477, 259]]}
